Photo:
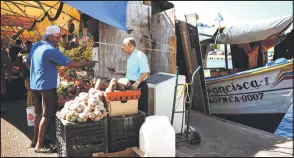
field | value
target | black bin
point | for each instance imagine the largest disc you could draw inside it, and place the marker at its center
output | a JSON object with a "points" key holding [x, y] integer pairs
{"points": [[79, 150], [73, 136], [124, 131]]}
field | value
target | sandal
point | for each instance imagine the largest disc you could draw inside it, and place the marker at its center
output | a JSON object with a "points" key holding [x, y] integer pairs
{"points": [[33, 144], [53, 148], [43, 150]]}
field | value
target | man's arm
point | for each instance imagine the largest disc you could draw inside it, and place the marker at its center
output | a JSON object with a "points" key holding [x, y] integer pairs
{"points": [[142, 77], [74, 64], [139, 80], [113, 72], [144, 70], [61, 59]]}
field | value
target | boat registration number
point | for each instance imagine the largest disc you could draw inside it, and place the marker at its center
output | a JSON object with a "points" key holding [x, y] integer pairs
{"points": [[236, 98]]}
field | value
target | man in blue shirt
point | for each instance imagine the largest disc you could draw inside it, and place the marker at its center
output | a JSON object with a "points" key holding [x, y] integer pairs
{"points": [[137, 71], [42, 62]]}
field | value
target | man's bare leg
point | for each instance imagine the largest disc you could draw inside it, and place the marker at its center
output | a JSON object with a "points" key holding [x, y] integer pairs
{"points": [[42, 130], [36, 127]]}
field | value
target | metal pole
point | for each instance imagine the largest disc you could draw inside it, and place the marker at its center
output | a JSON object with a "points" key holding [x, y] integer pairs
{"points": [[190, 105], [226, 57], [175, 95]]}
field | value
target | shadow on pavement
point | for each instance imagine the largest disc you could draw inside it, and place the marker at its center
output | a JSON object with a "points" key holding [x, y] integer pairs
{"points": [[15, 114]]}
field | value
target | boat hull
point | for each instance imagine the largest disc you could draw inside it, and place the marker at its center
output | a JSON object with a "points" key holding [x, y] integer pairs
{"points": [[258, 98], [265, 122]]}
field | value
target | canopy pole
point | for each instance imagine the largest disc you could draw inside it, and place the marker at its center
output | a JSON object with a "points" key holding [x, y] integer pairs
{"points": [[226, 56], [61, 11], [39, 3]]}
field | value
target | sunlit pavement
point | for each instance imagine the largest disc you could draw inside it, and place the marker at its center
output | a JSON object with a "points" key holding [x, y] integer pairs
{"points": [[16, 135]]}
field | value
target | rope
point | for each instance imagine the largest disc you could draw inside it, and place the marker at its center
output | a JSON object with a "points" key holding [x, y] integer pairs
{"points": [[118, 45], [157, 42], [182, 90]]}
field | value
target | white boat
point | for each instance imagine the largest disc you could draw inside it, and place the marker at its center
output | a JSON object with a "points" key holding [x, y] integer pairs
{"points": [[259, 97]]}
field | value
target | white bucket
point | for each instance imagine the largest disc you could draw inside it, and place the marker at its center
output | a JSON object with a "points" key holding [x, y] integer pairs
{"points": [[31, 115]]}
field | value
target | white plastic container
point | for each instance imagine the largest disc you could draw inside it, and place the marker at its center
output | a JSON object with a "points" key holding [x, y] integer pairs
{"points": [[31, 115], [157, 137]]}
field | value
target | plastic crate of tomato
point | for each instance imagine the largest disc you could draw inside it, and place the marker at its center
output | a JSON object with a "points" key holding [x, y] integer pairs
{"points": [[122, 95]]}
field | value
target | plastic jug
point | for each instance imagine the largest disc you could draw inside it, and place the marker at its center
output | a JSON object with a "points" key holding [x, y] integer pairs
{"points": [[157, 137]]}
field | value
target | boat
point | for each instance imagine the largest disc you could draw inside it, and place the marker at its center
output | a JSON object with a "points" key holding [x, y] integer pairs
{"points": [[258, 96]]}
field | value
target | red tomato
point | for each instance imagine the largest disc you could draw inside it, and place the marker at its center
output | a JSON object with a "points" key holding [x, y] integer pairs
{"points": [[78, 83]]}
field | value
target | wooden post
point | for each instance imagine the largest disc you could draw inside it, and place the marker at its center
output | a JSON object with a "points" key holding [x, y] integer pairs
{"points": [[172, 42], [226, 57], [188, 55], [200, 103]]}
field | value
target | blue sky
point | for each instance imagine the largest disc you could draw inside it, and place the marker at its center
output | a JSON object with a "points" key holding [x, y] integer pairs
{"points": [[234, 11]]}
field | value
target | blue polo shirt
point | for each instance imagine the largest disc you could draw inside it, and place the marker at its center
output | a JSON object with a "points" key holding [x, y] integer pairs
{"points": [[44, 58], [137, 63]]}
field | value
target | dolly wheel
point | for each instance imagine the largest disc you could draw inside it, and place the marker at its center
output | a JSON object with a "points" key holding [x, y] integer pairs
{"points": [[195, 138]]}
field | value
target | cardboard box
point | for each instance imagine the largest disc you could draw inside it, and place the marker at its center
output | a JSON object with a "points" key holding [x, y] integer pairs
{"points": [[118, 108]]}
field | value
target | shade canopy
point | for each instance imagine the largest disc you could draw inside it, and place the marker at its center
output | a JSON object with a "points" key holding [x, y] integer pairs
{"points": [[110, 12], [28, 19]]}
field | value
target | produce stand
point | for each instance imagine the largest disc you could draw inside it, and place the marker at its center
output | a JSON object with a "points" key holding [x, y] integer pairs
{"points": [[73, 82], [97, 115]]}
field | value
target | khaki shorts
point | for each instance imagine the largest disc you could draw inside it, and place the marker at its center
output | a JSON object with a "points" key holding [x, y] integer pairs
{"points": [[45, 102]]}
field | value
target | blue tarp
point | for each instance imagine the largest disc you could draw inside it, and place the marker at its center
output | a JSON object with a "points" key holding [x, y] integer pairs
{"points": [[113, 13]]}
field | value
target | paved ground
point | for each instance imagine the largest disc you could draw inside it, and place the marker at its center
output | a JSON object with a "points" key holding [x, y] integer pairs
{"points": [[16, 135], [221, 138]]}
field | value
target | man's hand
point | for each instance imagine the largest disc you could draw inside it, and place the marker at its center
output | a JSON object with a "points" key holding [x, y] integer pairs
{"points": [[112, 71], [88, 63], [92, 63], [115, 73], [135, 85]]}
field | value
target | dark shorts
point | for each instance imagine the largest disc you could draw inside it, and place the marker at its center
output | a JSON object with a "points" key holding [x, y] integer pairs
{"points": [[45, 102]]}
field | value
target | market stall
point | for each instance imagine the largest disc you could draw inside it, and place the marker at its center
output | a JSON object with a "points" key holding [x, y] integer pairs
{"points": [[104, 117], [96, 114]]}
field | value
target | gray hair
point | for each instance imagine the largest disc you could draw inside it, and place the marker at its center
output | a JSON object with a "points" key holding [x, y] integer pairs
{"points": [[131, 40]]}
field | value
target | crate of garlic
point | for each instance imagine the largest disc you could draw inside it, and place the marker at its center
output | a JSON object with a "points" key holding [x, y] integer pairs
{"points": [[85, 106], [83, 120]]}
